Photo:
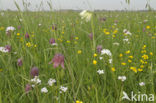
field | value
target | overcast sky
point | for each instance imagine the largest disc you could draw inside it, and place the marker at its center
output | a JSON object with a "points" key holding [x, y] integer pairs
{"points": [[79, 4]]}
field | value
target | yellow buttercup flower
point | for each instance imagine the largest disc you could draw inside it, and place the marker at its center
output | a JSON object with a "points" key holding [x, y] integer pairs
{"points": [[127, 52], [145, 56], [68, 41], [94, 62], [131, 57], [18, 34], [123, 63], [148, 27], [113, 69], [76, 38], [28, 44], [95, 55], [151, 53], [79, 51], [121, 55], [140, 70], [129, 61], [79, 101]]}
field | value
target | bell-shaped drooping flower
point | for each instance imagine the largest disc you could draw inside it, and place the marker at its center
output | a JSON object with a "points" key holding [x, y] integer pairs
{"points": [[52, 41], [9, 30], [86, 15], [91, 36], [99, 48], [26, 35], [54, 27], [8, 48], [58, 60], [28, 88], [34, 72], [19, 62]]}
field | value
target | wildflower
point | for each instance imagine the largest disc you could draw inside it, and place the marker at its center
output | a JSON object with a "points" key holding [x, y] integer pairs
{"points": [[107, 33], [79, 101], [44, 90], [8, 48], [64, 89], [123, 63], [145, 56], [129, 61], [127, 32], [10, 29], [151, 53], [110, 60], [28, 44], [2, 49], [86, 15], [131, 57], [54, 27], [140, 70], [116, 44], [39, 24], [127, 52], [94, 62], [26, 35], [91, 36], [95, 55], [28, 88], [79, 51], [147, 27], [18, 34], [121, 55], [19, 62], [58, 60], [99, 48], [126, 40], [106, 51], [100, 72], [141, 83], [36, 80], [134, 69], [100, 58], [113, 69], [76, 38], [52, 41], [122, 78], [35, 45], [51, 81], [34, 72], [141, 66]]}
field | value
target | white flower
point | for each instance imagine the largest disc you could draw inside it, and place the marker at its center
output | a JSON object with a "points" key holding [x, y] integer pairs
{"points": [[106, 51], [116, 43], [44, 90], [127, 32], [4, 50], [126, 40], [54, 44], [100, 58], [100, 71], [39, 24], [51, 81], [10, 28], [86, 15], [64, 89], [110, 61], [36, 80], [20, 20], [122, 78], [141, 83]]}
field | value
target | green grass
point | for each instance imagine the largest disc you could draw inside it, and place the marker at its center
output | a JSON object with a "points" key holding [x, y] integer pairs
{"points": [[80, 74]]}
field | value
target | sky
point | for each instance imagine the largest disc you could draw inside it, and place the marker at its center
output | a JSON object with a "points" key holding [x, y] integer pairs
{"points": [[78, 4]]}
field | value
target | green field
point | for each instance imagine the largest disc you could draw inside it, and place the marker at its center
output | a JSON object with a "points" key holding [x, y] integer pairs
{"points": [[133, 55]]}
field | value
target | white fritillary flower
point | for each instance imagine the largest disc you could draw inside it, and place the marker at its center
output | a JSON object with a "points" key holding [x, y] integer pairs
{"points": [[100, 72], [141, 83], [51, 81], [10, 28], [4, 50], [86, 15], [44, 90], [122, 78]]}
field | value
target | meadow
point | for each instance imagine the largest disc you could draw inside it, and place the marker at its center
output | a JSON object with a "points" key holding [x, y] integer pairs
{"points": [[59, 57]]}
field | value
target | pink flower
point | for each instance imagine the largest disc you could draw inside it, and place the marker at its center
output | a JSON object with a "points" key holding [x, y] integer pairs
{"points": [[8, 48], [34, 72], [26, 35], [52, 41], [28, 88], [19, 62], [58, 60], [99, 48], [91, 36]]}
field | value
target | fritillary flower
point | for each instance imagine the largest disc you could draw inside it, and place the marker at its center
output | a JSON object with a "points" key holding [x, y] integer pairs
{"points": [[34, 72]]}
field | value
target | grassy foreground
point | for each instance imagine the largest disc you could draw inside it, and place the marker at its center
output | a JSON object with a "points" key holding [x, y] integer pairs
{"points": [[77, 41]]}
